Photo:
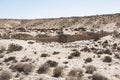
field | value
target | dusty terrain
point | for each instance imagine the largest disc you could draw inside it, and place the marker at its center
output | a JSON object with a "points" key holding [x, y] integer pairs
{"points": [[73, 48]]}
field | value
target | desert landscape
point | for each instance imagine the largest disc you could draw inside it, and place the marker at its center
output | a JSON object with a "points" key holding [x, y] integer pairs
{"points": [[66, 48]]}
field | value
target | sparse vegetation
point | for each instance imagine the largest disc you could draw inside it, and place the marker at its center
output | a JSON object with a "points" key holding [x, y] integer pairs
{"points": [[87, 60], [14, 47], [10, 59], [5, 75], [35, 49], [75, 53], [58, 72], [76, 74], [26, 68], [117, 56], [85, 49], [90, 69], [55, 53], [2, 49], [44, 55], [43, 68], [107, 59], [52, 63], [99, 77], [1, 55]]}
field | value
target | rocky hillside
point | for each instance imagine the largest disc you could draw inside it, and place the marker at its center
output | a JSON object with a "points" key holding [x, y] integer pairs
{"points": [[93, 21]]}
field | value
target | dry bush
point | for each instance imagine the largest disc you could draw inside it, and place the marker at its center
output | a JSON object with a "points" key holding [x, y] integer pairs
{"points": [[43, 68], [26, 68], [86, 49], [25, 59], [52, 63], [2, 55], [44, 55], [58, 72], [114, 46], [75, 53], [117, 56], [10, 59], [107, 59], [30, 42], [5, 75], [105, 44], [2, 49], [107, 51], [55, 52], [115, 34], [102, 51], [14, 47], [65, 62], [75, 74], [99, 77], [90, 69], [87, 60]]}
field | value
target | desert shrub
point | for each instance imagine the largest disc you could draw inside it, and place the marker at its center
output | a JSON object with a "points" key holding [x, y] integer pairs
{"points": [[75, 53], [99, 52], [70, 57], [26, 68], [87, 60], [54, 53], [90, 69], [114, 46], [107, 51], [75, 74], [65, 62], [117, 56], [43, 68], [44, 55], [5, 75], [2, 49], [107, 59], [14, 47], [57, 72], [30, 42], [115, 34], [10, 59], [25, 59], [118, 48], [1, 55], [99, 77], [85, 49], [105, 44], [94, 49], [52, 63]]}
